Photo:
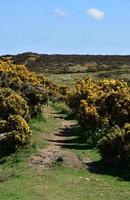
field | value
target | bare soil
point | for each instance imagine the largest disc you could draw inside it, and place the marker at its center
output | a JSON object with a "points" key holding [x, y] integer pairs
{"points": [[54, 154]]}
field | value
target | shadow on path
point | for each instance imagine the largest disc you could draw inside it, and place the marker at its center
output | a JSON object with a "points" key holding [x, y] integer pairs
{"points": [[70, 137]]}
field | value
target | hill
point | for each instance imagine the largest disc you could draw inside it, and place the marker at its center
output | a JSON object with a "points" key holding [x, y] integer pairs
{"points": [[70, 63]]}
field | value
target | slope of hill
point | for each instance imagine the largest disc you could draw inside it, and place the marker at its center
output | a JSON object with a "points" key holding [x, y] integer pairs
{"points": [[71, 63]]}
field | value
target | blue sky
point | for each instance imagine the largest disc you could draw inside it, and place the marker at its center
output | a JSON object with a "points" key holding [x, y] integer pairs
{"points": [[65, 26]]}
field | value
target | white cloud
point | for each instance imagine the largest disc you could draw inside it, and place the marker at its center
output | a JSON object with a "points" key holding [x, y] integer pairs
{"points": [[95, 13], [60, 13]]}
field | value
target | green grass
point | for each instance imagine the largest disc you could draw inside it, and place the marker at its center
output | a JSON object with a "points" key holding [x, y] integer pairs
{"points": [[19, 181], [72, 78], [62, 184], [60, 107], [66, 79], [42, 125]]}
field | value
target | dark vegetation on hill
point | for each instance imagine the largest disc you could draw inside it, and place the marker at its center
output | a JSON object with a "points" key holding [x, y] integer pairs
{"points": [[77, 66], [70, 63]]}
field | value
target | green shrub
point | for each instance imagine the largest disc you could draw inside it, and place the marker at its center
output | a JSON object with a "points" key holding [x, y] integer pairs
{"points": [[93, 136], [36, 97], [115, 146], [4, 126]]}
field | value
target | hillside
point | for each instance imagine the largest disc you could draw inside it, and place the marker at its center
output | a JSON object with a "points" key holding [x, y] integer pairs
{"points": [[71, 63]]}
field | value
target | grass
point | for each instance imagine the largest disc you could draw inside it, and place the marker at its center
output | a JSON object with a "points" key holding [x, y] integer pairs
{"points": [[72, 78], [66, 79], [43, 124], [60, 107], [20, 181], [62, 184]]}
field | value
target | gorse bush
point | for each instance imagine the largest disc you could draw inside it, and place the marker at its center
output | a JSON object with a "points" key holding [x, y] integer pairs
{"points": [[34, 88], [115, 146], [22, 131], [102, 105], [3, 126], [22, 95], [26, 83], [11, 70], [12, 103], [36, 97], [14, 133], [84, 90], [91, 137]]}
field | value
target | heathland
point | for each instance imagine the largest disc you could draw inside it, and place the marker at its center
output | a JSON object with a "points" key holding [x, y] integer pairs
{"points": [[64, 127]]}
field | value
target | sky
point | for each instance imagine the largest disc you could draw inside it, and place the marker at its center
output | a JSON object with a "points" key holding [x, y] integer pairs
{"points": [[65, 26]]}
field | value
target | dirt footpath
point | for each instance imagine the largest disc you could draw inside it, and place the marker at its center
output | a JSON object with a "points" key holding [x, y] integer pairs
{"points": [[54, 153]]}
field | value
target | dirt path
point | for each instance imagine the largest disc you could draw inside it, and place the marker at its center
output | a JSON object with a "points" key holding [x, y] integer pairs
{"points": [[54, 153]]}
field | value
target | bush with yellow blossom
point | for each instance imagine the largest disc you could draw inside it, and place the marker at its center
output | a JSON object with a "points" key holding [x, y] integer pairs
{"points": [[102, 108]]}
